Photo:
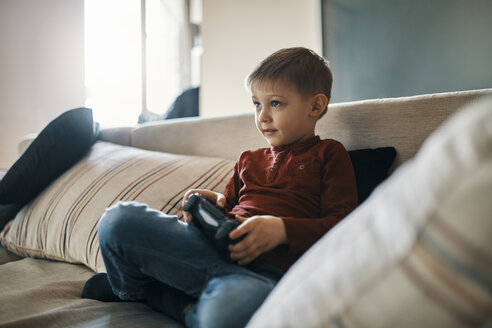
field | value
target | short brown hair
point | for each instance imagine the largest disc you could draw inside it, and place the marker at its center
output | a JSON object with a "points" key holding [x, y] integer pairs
{"points": [[306, 70]]}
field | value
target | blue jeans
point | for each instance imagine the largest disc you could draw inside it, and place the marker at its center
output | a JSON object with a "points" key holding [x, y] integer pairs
{"points": [[140, 245]]}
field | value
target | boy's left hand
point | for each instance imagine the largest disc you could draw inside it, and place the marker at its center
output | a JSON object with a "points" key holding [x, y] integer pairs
{"points": [[264, 232]]}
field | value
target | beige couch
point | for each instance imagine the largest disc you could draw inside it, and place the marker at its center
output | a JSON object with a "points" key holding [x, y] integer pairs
{"points": [[40, 289]]}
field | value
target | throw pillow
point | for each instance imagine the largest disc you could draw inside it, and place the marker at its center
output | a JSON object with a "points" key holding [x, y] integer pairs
{"points": [[8, 212], [61, 223], [63, 142], [371, 167], [416, 254]]}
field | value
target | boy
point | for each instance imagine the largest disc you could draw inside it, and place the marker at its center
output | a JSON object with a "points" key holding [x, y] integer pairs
{"points": [[285, 197]]}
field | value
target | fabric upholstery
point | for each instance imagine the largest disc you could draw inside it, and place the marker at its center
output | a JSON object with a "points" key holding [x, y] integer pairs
{"points": [[39, 293], [63, 142], [8, 211], [371, 167], [46, 293], [416, 254], [403, 123], [61, 223]]}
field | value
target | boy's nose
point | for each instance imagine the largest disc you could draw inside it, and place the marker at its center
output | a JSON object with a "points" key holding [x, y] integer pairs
{"points": [[264, 116]]}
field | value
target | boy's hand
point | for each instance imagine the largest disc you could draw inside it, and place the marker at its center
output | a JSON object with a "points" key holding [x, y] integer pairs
{"points": [[264, 232], [214, 197]]}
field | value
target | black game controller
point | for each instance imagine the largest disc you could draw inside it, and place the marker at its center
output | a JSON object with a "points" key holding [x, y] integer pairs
{"points": [[212, 221]]}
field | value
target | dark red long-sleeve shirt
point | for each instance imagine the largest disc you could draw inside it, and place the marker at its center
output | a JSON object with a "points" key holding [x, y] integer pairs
{"points": [[310, 185]]}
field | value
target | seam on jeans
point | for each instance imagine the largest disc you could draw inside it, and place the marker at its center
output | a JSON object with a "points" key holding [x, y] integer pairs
{"points": [[188, 266], [120, 292], [209, 274], [211, 270], [212, 273]]}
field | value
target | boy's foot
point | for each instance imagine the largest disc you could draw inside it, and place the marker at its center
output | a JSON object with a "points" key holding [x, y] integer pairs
{"points": [[159, 296], [99, 288], [169, 300]]}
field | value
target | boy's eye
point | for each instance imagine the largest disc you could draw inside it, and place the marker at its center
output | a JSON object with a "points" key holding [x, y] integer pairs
{"points": [[257, 104], [276, 103]]}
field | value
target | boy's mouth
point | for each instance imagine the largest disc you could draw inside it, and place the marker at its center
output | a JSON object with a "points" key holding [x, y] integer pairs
{"points": [[269, 131]]}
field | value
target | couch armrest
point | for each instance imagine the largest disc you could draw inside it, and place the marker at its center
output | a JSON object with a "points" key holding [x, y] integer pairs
{"points": [[120, 135], [25, 142]]}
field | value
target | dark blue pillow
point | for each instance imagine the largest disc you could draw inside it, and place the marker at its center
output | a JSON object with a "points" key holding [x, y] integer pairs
{"points": [[63, 142], [371, 167], [8, 212]]}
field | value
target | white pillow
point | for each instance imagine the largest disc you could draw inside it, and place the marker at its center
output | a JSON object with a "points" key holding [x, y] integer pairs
{"points": [[61, 223], [417, 253]]}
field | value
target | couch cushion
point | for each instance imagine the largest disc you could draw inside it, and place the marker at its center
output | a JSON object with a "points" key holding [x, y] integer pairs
{"points": [[38, 293], [402, 122], [415, 254], [63, 142], [61, 223], [371, 167]]}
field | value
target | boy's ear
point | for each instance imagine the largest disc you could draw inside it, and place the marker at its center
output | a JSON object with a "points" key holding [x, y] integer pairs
{"points": [[319, 103]]}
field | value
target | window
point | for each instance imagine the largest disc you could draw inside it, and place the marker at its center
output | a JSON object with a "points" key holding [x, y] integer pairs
{"points": [[138, 57]]}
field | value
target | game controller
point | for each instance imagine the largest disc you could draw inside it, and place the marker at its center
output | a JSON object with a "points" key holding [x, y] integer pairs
{"points": [[212, 221]]}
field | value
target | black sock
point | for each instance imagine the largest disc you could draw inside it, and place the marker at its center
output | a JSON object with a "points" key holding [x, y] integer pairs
{"points": [[99, 288], [169, 300]]}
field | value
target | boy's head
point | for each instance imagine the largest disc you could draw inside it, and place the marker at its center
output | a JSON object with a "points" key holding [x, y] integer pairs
{"points": [[305, 70], [290, 89]]}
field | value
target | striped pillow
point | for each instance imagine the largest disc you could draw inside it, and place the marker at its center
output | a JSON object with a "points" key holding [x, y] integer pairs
{"points": [[61, 223], [417, 253]]}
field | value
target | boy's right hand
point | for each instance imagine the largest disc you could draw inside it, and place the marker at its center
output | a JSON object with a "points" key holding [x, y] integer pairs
{"points": [[215, 197]]}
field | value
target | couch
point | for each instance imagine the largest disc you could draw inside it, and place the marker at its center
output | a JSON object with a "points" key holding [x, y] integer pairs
{"points": [[401, 259]]}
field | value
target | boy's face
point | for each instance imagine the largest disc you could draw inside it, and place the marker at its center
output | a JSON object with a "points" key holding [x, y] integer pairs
{"points": [[283, 116]]}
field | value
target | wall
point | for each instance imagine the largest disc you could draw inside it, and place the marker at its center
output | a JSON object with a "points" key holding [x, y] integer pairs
{"points": [[388, 48], [41, 66], [237, 35]]}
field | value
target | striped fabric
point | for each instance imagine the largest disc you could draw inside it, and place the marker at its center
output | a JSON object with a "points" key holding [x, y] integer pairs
{"points": [[417, 253], [446, 279], [61, 223]]}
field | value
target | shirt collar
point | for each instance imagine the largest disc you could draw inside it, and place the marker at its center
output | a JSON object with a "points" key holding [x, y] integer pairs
{"points": [[298, 146]]}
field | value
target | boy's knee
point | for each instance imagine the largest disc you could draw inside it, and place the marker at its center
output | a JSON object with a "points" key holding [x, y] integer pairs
{"points": [[219, 305], [118, 220]]}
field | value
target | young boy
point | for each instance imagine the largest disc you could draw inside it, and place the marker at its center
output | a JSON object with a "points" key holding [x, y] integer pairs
{"points": [[286, 197]]}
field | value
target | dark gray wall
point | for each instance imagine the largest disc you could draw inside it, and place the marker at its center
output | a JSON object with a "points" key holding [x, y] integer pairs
{"points": [[390, 48]]}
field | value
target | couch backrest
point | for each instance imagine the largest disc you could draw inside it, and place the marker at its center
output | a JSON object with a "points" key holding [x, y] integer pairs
{"points": [[403, 122]]}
